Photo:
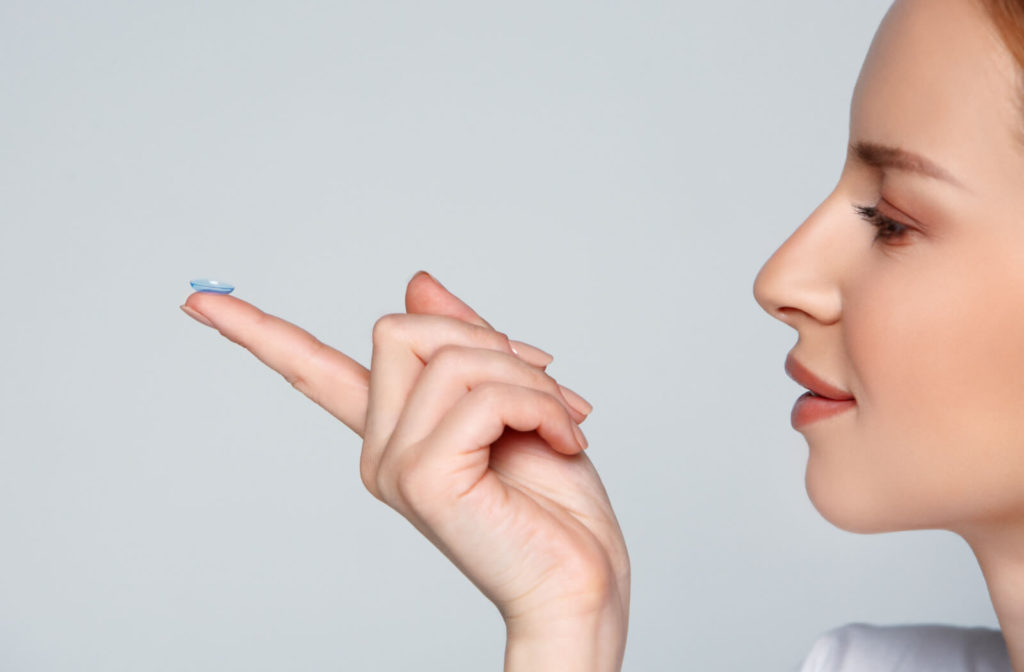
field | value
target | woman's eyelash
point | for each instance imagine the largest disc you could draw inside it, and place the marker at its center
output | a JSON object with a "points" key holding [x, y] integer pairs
{"points": [[886, 229]]}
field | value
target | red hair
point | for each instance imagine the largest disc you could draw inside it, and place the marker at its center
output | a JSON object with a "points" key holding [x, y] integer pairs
{"points": [[1008, 16]]}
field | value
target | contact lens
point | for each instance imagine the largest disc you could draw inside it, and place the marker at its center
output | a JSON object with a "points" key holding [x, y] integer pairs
{"points": [[212, 286]]}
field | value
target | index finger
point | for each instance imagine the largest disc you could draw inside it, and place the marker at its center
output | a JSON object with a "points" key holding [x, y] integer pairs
{"points": [[330, 378]]}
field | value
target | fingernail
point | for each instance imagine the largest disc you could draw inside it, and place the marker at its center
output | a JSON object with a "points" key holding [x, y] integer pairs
{"points": [[582, 440], [428, 275], [530, 354], [576, 401], [197, 316]]}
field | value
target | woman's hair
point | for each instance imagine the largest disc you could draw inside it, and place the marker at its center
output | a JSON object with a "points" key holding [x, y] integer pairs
{"points": [[1009, 19], [1008, 15]]}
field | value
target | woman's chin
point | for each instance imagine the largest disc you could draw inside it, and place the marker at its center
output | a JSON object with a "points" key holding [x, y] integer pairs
{"points": [[852, 507]]}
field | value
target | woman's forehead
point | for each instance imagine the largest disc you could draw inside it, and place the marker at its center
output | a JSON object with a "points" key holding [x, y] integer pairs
{"points": [[938, 80]]}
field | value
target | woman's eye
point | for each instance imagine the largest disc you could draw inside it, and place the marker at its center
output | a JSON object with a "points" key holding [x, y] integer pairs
{"points": [[887, 230]]}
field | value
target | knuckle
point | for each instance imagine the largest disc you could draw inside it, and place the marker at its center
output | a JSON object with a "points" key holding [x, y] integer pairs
{"points": [[448, 357], [369, 474], [386, 327], [490, 393], [493, 339], [403, 492], [306, 363], [386, 479], [545, 404], [417, 488], [296, 380], [545, 383], [554, 399], [485, 337], [385, 488], [410, 486], [370, 483]]}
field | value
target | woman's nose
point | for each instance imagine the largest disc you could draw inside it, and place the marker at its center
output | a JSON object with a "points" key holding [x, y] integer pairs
{"points": [[802, 279]]}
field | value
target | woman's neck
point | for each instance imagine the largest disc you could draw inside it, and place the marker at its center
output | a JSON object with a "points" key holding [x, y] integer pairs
{"points": [[1000, 553]]}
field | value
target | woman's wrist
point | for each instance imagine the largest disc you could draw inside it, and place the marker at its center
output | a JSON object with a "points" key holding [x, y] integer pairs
{"points": [[595, 643]]}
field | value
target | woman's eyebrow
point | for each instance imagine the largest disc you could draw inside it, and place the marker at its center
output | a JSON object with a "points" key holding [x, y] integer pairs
{"points": [[885, 156]]}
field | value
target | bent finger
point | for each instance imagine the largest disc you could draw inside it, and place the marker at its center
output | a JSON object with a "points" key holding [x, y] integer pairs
{"points": [[454, 458], [453, 372], [402, 345], [450, 373]]}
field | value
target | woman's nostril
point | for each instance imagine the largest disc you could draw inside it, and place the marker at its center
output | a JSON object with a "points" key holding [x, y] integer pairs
{"points": [[785, 314]]}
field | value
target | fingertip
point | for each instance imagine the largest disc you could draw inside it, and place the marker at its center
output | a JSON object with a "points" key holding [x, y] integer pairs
{"points": [[420, 277], [421, 293], [570, 442], [425, 295], [203, 301], [580, 438], [576, 401], [196, 315], [234, 318], [531, 354], [576, 415], [422, 287], [207, 308]]}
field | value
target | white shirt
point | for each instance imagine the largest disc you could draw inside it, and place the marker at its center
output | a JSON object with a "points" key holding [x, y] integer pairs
{"points": [[908, 648]]}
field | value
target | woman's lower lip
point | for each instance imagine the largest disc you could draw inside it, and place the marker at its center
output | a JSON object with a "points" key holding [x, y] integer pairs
{"points": [[811, 408]]}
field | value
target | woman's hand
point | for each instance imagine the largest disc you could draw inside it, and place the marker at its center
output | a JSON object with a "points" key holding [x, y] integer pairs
{"points": [[468, 437]]}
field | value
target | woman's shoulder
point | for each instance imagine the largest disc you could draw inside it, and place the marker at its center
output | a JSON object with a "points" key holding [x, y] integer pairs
{"points": [[908, 648]]}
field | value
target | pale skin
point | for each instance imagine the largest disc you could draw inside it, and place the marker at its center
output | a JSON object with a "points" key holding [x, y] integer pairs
{"points": [[466, 435], [918, 315], [924, 324]]}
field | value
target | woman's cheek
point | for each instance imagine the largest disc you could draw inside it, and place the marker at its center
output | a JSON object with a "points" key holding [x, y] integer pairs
{"points": [[899, 333], [935, 348], [989, 400]]}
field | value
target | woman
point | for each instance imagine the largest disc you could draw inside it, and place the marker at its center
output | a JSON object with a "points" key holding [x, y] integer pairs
{"points": [[905, 287]]}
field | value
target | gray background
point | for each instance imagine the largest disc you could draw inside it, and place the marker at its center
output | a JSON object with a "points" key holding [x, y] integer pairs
{"points": [[600, 179]]}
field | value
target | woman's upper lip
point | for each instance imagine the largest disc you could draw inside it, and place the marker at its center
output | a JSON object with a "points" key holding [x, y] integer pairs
{"points": [[802, 375]]}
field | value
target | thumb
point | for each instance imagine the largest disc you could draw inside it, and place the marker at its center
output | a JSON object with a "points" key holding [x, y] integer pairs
{"points": [[426, 296]]}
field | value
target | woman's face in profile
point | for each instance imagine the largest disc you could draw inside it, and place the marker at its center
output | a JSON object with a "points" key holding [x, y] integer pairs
{"points": [[906, 285]]}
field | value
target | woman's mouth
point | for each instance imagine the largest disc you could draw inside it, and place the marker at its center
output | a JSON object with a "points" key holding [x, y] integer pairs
{"points": [[822, 401], [809, 408]]}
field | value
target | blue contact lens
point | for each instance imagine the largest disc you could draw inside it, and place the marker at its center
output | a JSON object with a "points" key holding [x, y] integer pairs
{"points": [[212, 286]]}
